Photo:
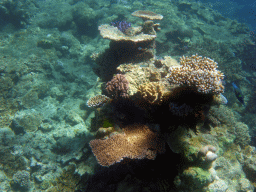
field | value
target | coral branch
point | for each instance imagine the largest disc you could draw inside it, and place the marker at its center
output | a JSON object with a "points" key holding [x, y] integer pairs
{"points": [[198, 72]]}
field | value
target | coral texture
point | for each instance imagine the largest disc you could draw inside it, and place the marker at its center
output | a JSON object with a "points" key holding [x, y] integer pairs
{"points": [[22, 179], [152, 92], [118, 86], [97, 101], [198, 72], [136, 142]]}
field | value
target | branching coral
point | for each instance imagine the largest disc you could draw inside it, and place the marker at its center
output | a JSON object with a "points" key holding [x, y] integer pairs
{"points": [[118, 86], [136, 142], [198, 72]]}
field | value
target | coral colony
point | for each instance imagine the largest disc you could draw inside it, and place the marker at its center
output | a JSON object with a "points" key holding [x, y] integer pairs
{"points": [[144, 97], [121, 25]]}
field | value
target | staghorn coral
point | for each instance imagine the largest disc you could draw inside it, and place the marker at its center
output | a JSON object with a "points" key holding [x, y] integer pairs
{"points": [[97, 101], [136, 142], [198, 72], [152, 92], [118, 86]]}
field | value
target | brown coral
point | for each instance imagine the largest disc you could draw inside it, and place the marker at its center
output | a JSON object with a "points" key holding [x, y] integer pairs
{"points": [[198, 72], [136, 142], [152, 92], [118, 86]]}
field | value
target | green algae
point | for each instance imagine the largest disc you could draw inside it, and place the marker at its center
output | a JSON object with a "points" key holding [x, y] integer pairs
{"points": [[196, 176], [107, 123]]}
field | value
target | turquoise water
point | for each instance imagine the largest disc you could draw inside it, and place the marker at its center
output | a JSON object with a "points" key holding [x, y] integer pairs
{"points": [[97, 96]]}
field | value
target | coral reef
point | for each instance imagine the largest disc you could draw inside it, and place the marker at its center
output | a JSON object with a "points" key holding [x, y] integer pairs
{"points": [[136, 142], [47, 75], [199, 72], [136, 45], [118, 86], [21, 179], [152, 92]]}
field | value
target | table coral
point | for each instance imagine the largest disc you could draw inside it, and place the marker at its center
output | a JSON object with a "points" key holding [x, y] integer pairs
{"points": [[136, 142], [147, 15], [113, 33], [198, 72]]}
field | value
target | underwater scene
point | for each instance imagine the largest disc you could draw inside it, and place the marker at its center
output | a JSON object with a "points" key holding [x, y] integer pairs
{"points": [[127, 96]]}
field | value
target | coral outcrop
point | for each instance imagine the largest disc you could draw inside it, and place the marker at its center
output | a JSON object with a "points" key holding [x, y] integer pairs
{"points": [[137, 44], [148, 92]]}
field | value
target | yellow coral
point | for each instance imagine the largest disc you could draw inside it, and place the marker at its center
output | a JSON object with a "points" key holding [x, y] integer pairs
{"points": [[152, 92]]}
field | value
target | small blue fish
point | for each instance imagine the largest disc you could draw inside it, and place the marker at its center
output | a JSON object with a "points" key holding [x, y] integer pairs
{"points": [[238, 93]]}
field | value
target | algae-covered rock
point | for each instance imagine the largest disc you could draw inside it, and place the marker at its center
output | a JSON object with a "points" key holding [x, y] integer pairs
{"points": [[193, 178], [242, 134]]}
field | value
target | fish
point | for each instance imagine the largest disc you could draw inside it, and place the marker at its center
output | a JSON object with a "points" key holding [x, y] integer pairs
{"points": [[238, 93]]}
